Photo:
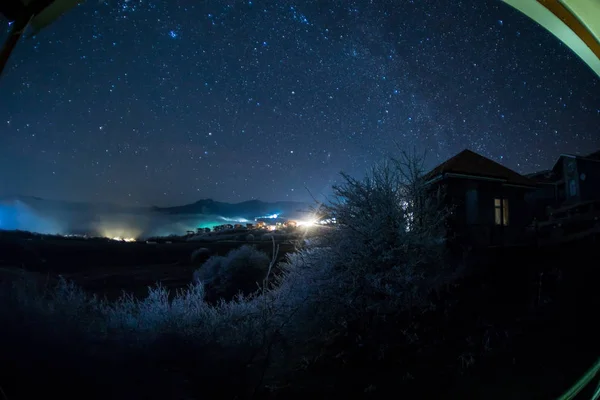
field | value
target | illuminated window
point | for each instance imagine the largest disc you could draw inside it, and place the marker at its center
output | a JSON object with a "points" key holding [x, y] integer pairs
{"points": [[501, 211]]}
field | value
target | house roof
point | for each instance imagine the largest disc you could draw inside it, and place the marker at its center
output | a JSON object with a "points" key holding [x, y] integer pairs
{"points": [[554, 175], [594, 156], [546, 176], [474, 165]]}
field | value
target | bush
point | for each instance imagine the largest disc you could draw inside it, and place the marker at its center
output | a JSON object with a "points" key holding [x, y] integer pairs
{"points": [[128, 348], [388, 236], [240, 271], [341, 298], [199, 254], [301, 333], [350, 290]]}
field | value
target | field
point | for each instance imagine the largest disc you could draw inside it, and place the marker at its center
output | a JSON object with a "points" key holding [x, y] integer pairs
{"points": [[108, 268], [520, 324]]}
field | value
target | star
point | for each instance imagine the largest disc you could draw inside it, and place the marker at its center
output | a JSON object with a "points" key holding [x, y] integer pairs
{"points": [[166, 103]]}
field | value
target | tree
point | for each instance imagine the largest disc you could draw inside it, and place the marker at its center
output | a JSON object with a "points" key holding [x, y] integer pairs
{"points": [[239, 271], [389, 234]]}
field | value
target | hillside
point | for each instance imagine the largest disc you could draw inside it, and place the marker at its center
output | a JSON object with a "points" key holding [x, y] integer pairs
{"points": [[109, 220], [247, 209]]}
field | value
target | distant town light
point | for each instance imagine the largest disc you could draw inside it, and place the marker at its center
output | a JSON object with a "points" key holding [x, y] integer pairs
{"points": [[308, 222], [272, 216], [120, 239]]}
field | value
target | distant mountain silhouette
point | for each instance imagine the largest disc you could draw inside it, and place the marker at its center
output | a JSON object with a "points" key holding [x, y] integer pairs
{"points": [[50, 205], [247, 209], [35, 214]]}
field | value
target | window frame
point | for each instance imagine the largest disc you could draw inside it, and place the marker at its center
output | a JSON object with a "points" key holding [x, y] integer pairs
{"points": [[501, 211]]}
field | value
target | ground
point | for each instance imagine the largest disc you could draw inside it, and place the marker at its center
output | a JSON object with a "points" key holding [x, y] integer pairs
{"points": [[536, 306], [108, 268]]}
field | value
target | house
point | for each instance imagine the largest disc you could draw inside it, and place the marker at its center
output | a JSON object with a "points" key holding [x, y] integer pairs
{"points": [[545, 197], [488, 200], [566, 205], [573, 179], [290, 224]]}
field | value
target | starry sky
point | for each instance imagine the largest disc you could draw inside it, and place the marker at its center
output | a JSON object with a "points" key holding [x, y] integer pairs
{"points": [[164, 102]]}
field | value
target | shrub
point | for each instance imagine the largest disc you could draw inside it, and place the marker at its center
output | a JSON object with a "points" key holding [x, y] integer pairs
{"points": [[250, 238], [237, 272], [356, 282], [135, 348], [387, 236], [344, 293], [199, 254]]}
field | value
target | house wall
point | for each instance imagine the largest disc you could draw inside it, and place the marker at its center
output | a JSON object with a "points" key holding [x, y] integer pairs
{"points": [[540, 200], [571, 179], [473, 220], [589, 187], [570, 187]]}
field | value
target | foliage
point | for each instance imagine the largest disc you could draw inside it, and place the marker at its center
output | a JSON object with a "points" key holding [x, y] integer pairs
{"points": [[199, 254], [83, 337], [303, 329], [345, 298], [389, 234], [239, 271]]}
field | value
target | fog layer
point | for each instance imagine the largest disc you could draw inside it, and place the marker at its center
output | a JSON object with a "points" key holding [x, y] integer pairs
{"points": [[104, 221]]}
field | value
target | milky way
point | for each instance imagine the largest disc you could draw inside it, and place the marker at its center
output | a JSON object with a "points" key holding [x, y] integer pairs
{"points": [[166, 102]]}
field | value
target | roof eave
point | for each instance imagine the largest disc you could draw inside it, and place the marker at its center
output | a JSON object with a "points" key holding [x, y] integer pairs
{"points": [[505, 182], [533, 186]]}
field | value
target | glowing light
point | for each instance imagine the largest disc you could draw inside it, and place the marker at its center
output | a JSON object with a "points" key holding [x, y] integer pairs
{"points": [[307, 223], [120, 239], [120, 234]]}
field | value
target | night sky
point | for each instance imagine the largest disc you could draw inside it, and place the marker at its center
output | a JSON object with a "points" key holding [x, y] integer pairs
{"points": [[167, 102]]}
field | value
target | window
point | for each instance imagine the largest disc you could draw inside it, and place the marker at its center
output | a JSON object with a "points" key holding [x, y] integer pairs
{"points": [[501, 211], [573, 188]]}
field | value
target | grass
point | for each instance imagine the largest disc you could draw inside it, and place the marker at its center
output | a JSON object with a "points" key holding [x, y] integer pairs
{"points": [[172, 344], [108, 268]]}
